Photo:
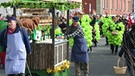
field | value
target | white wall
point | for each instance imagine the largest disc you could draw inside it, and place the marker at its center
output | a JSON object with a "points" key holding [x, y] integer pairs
{"points": [[2, 10]]}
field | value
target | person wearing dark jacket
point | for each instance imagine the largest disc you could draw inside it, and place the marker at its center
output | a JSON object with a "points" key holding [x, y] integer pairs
{"points": [[128, 49], [92, 23], [79, 50], [16, 42], [63, 26]]}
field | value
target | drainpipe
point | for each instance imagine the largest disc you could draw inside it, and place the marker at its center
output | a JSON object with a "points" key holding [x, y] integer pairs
{"points": [[133, 7], [110, 11]]}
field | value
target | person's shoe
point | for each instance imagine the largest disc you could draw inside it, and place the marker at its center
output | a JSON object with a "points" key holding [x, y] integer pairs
{"points": [[86, 75], [88, 51], [106, 44], [81, 67], [115, 53], [91, 51], [95, 46], [78, 74], [2, 66], [21, 74], [112, 51]]}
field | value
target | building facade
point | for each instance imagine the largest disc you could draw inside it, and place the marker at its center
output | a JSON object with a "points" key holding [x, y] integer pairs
{"points": [[113, 7]]}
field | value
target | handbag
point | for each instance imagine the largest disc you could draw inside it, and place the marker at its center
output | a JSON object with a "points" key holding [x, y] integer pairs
{"points": [[118, 69], [114, 32]]}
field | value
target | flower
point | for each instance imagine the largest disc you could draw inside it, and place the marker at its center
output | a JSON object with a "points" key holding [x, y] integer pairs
{"points": [[49, 70], [64, 65]]}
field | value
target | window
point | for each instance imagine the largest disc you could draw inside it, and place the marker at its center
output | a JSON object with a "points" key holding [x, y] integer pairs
{"points": [[125, 5], [129, 5], [120, 4], [106, 4], [103, 4], [117, 5], [112, 4]]}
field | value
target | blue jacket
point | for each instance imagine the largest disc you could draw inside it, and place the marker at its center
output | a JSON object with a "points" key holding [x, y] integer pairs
{"points": [[3, 36]]}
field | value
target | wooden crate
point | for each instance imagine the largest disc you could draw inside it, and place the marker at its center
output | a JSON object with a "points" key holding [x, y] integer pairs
{"points": [[33, 10], [44, 20], [44, 57], [42, 17], [29, 13], [41, 58]]}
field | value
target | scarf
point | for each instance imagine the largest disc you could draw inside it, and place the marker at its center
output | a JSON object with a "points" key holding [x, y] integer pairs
{"points": [[11, 30]]}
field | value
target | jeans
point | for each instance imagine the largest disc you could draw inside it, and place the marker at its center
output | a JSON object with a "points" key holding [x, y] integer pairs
{"points": [[85, 67], [114, 47]]}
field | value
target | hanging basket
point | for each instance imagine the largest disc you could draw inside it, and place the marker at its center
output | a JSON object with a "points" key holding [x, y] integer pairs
{"points": [[118, 69]]}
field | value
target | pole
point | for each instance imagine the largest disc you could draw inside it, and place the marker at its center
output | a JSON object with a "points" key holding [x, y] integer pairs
{"points": [[53, 39], [133, 7], [53, 23], [68, 41], [14, 10]]}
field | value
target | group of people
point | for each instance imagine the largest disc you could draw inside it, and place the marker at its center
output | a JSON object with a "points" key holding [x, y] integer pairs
{"points": [[107, 24], [124, 34], [14, 39]]}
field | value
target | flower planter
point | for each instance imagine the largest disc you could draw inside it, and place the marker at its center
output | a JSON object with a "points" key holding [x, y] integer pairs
{"points": [[44, 73], [43, 60]]}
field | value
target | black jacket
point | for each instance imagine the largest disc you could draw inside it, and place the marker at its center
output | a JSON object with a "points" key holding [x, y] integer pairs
{"points": [[127, 43]]}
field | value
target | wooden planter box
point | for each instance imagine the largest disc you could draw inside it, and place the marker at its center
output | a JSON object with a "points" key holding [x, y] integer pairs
{"points": [[66, 72], [44, 57]]}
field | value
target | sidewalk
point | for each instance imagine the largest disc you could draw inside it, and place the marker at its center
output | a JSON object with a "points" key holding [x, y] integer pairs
{"points": [[2, 72]]}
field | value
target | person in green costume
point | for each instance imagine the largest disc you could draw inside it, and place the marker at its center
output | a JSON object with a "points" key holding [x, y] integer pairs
{"points": [[3, 25], [116, 42]]}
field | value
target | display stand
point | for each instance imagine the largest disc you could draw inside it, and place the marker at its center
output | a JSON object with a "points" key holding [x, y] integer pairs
{"points": [[48, 54]]}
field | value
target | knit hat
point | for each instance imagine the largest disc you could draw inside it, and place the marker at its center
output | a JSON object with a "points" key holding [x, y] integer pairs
{"points": [[11, 18], [76, 18]]}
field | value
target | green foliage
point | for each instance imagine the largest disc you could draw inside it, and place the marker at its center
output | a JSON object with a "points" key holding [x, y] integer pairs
{"points": [[45, 28], [41, 4], [96, 27], [3, 25]]}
